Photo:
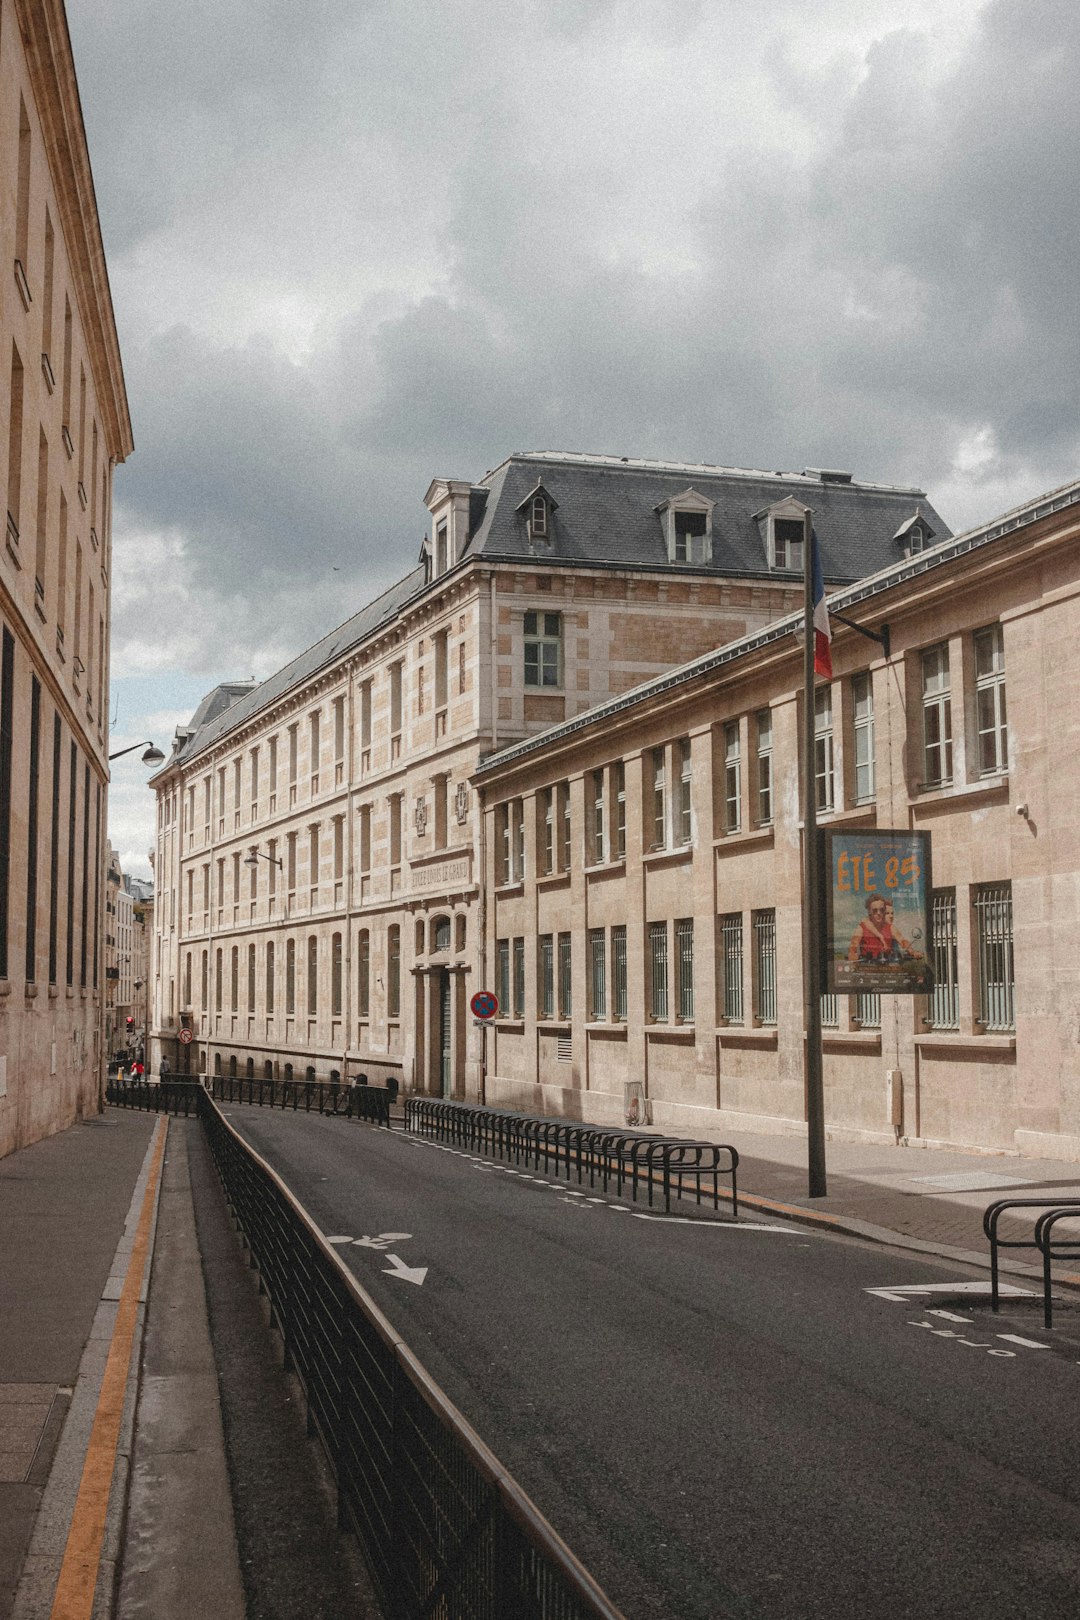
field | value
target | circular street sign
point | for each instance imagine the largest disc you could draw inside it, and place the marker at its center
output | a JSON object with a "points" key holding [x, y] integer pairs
{"points": [[186, 1037], [484, 1004]]}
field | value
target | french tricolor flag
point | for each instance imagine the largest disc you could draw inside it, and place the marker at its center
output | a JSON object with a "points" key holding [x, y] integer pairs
{"points": [[822, 631]]}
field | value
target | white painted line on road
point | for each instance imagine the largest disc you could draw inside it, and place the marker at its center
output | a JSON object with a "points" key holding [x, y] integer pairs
{"points": [[951, 1316], [1028, 1344], [899, 1293], [339, 1240], [717, 1226], [383, 1241]]}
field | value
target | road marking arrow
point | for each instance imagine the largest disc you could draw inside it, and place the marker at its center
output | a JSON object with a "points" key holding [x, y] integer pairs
{"points": [[899, 1293], [398, 1268], [383, 1241]]}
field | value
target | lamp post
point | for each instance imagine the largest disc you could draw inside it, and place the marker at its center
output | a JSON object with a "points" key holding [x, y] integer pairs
{"points": [[153, 755], [252, 859]]}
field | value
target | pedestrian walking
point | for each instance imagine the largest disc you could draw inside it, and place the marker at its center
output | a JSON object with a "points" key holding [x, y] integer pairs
{"points": [[163, 1069]]}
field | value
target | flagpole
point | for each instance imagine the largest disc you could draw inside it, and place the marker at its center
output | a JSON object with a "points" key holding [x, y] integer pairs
{"points": [[811, 918]]}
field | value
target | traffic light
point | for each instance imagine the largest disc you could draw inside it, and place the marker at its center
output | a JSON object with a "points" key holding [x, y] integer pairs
{"points": [[130, 1025]]}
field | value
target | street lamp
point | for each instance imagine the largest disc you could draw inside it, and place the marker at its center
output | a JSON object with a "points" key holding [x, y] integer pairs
{"points": [[153, 755], [253, 858]]}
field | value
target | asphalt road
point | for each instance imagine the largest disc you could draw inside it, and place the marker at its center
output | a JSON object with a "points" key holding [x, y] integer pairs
{"points": [[719, 1422]]}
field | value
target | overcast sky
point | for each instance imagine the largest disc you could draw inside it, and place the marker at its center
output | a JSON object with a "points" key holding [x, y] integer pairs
{"points": [[357, 244]]}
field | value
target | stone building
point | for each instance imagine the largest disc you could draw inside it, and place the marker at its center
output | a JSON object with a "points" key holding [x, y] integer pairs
{"points": [[66, 428], [319, 850], [118, 945], [655, 935]]}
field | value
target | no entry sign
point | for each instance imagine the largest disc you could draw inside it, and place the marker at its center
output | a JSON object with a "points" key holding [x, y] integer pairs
{"points": [[484, 1004], [186, 1037]]}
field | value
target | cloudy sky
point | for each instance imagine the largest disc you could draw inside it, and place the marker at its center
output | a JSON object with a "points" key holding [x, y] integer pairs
{"points": [[354, 246]]}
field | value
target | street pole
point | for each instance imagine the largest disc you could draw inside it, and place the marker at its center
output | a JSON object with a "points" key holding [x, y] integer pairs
{"points": [[811, 918]]}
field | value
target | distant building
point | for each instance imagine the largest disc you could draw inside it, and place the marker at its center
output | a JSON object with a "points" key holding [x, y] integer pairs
{"points": [[320, 852], [66, 428], [642, 880]]}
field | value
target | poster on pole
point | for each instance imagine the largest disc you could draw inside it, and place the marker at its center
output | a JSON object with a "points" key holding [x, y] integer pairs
{"points": [[877, 893]]}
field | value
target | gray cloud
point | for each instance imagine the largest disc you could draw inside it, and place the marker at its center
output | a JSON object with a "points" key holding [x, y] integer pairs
{"points": [[353, 248]]}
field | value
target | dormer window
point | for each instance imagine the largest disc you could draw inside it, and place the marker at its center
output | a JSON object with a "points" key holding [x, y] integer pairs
{"points": [[687, 525], [538, 518], [914, 535], [783, 525], [440, 549], [691, 537], [537, 509], [787, 543]]}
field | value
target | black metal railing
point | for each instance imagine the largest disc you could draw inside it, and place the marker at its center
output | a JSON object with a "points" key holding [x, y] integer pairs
{"points": [[319, 1096], [1064, 1246], [633, 1161], [445, 1530], [155, 1096]]}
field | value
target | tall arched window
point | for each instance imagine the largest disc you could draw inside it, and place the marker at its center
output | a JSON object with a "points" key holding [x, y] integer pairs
{"points": [[234, 978], [251, 978], [312, 975], [203, 1003], [270, 979], [217, 983], [393, 973], [187, 979], [363, 974], [440, 934], [335, 977], [290, 976]]}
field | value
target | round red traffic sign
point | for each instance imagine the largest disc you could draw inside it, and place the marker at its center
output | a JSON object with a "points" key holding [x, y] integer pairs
{"points": [[186, 1037], [484, 1004]]}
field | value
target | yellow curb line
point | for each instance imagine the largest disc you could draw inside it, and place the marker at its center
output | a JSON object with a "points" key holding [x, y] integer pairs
{"points": [[74, 1597]]}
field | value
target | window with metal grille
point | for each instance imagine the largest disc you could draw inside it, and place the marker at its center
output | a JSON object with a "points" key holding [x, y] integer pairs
{"points": [[517, 818], [269, 977], [290, 976], [234, 978], [598, 973], [684, 960], [683, 822], [731, 967], [990, 700], [862, 720], [824, 783], [732, 778], [658, 962], [764, 924], [618, 972], [944, 1008], [937, 717], [502, 975], [547, 976], [830, 1011], [519, 978], [868, 1010], [251, 979], [567, 825], [502, 842], [566, 1000], [543, 649], [440, 934], [994, 928], [764, 767]]}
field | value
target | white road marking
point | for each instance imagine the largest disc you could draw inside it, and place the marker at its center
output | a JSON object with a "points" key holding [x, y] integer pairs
{"points": [[398, 1268], [899, 1293], [1028, 1344], [339, 1240], [383, 1241], [724, 1226], [950, 1316]]}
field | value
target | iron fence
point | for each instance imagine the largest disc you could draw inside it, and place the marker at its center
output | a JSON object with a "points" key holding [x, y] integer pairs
{"points": [[447, 1534]]}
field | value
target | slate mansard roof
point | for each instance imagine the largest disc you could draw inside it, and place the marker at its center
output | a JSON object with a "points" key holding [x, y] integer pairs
{"points": [[603, 513]]}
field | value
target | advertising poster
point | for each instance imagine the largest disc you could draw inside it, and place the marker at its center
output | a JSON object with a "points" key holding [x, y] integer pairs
{"points": [[878, 912]]}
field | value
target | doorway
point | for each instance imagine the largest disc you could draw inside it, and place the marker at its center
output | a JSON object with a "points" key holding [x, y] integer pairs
{"points": [[446, 1039]]}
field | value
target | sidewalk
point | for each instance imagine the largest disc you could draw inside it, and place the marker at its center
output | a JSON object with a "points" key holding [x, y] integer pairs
{"points": [[72, 1210]]}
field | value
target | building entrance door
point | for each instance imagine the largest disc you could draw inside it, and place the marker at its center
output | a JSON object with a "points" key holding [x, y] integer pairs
{"points": [[445, 1034]]}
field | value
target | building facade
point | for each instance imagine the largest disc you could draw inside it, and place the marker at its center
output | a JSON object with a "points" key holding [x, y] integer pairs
{"points": [[654, 936], [65, 428], [319, 855]]}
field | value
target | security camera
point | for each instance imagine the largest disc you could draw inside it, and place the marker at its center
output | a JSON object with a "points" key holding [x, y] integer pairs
{"points": [[1022, 810]]}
